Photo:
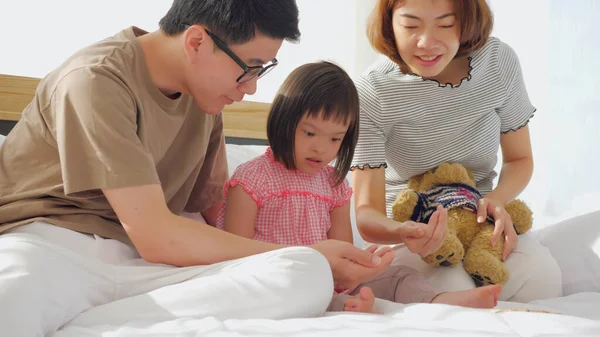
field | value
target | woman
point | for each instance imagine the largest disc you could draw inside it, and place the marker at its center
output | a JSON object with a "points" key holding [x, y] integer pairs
{"points": [[446, 91]]}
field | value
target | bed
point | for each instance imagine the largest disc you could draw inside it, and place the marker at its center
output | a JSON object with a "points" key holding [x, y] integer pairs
{"points": [[577, 313]]}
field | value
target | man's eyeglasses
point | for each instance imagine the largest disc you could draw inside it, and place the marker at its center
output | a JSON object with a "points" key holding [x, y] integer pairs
{"points": [[249, 72]]}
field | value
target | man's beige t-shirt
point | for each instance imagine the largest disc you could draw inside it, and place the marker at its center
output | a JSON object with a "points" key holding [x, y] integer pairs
{"points": [[96, 122]]}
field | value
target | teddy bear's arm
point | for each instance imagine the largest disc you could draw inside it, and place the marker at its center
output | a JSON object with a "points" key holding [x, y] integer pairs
{"points": [[407, 206]]}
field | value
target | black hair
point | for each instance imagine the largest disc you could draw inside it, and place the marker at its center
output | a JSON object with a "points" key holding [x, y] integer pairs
{"points": [[320, 89], [235, 21]]}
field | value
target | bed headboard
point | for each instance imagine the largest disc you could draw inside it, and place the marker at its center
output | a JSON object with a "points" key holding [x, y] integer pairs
{"points": [[244, 119]]}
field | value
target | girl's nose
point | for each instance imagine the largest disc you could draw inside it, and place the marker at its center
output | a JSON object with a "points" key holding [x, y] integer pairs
{"points": [[318, 147]]}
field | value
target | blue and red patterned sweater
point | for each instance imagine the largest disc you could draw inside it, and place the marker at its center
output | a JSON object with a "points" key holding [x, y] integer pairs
{"points": [[449, 196]]}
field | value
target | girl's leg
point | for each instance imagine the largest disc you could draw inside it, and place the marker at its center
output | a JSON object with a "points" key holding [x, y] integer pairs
{"points": [[401, 284]]}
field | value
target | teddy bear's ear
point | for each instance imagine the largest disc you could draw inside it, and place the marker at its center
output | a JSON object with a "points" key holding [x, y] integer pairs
{"points": [[415, 182]]}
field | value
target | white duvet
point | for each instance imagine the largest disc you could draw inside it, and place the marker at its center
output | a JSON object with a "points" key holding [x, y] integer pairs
{"points": [[575, 315]]}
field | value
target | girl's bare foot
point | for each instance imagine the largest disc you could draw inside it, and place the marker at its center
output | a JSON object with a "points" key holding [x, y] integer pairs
{"points": [[484, 297], [361, 302]]}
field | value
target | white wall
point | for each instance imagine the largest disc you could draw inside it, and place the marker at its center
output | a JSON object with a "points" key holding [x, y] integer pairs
{"points": [[37, 35], [40, 34], [556, 40], [329, 32], [558, 44]]}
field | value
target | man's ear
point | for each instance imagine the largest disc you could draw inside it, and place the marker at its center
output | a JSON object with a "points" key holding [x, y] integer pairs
{"points": [[193, 38]]}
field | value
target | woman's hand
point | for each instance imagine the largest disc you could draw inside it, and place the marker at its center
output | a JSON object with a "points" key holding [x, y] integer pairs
{"points": [[503, 224], [433, 233]]}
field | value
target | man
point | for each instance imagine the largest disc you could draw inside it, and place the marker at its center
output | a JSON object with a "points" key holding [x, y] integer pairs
{"points": [[120, 140]]}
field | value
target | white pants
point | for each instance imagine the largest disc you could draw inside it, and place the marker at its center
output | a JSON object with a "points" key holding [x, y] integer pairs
{"points": [[50, 276], [534, 273]]}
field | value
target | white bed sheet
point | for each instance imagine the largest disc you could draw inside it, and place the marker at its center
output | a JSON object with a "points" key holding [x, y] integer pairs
{"points": [[411, 320]]}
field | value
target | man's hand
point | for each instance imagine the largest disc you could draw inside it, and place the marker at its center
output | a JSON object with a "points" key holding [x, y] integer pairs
{"points": [[350, 265]]}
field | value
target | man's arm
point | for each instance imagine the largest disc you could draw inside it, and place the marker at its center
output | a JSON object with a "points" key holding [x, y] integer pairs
{"points": [[163, 237], [212, 213], [207, 193]]}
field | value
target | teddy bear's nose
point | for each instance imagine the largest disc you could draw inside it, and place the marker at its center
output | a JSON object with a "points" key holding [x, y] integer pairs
{"points": [[445, 263]]}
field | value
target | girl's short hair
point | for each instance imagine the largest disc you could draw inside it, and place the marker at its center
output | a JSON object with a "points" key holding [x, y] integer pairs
{"points": [[474, 16], [320, 89]]}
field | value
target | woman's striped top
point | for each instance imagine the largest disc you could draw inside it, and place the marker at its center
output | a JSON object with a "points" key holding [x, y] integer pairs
{"points": [[409, 124]]}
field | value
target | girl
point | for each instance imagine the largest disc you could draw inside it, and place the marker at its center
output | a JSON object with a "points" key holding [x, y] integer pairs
{"points": [[446, 92], [292, 196]]}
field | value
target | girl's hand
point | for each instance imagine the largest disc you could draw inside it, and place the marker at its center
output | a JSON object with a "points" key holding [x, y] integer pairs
{"points": [[503, 224], [425, 239]]}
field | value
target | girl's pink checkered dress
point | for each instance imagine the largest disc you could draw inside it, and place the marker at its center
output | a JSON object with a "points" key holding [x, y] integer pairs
{"points": [[293, 206]]}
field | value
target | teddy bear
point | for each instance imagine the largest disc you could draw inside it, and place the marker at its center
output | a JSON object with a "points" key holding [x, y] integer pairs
{"points": [[453, 186]]}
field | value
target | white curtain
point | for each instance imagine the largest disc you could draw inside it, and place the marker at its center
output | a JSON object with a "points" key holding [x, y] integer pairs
{"points": [[559, 47]]}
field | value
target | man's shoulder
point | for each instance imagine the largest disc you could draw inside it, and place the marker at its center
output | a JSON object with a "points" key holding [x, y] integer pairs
{"points": [[113, 57]]}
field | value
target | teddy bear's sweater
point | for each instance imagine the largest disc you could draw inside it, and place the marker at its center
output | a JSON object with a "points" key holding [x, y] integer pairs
{"points": [[449, 196]]}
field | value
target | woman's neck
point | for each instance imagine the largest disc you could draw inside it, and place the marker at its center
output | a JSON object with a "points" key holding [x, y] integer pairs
{"points": [[455, 72]]}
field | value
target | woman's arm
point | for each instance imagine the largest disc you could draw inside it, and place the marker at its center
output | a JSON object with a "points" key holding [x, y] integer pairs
{"points": [[369, 200], [374, 225], [240, 212], [341, 226], [517, 166], [517, 158]]}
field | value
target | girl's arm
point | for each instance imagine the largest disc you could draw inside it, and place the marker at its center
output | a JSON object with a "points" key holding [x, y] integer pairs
{"points": [[240, 212], [341, 226]]}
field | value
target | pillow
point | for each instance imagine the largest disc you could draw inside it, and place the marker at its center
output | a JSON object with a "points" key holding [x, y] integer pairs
{"points": [[575, 244], [1, 139], [239, 154]]}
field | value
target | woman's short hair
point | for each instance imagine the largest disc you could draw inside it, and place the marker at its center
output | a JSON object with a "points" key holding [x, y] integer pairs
{"points": [[320, 89], [474, 17]]}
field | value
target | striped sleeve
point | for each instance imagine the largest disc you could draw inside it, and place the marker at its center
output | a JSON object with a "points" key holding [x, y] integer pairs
{"points": [[370, 149], [517, 110]]}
